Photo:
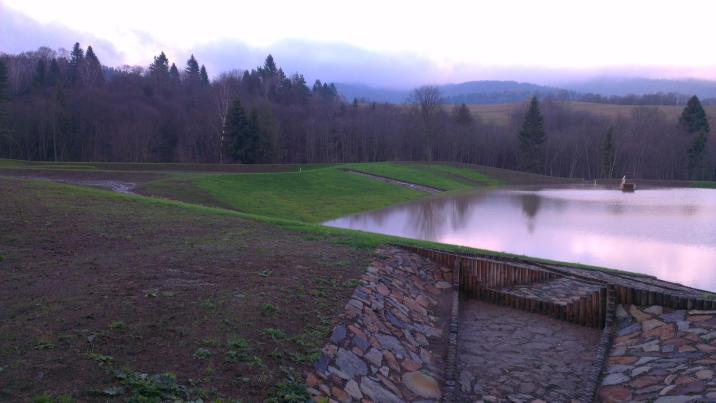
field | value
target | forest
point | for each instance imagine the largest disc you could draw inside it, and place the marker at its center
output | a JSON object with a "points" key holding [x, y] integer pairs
{"points": [[58, 105]]}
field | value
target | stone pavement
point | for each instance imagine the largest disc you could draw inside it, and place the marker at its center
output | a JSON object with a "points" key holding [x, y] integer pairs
{"points": [[390, 345], [510, 355], [661, 355], [560, 291]]}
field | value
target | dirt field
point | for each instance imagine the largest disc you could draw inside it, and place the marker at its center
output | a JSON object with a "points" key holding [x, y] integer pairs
{"points": [[98, 288]]}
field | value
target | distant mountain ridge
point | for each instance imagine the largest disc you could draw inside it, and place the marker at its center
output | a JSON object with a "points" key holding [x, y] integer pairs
{"points": [[639, 86], [471, 92], [499, 92]]}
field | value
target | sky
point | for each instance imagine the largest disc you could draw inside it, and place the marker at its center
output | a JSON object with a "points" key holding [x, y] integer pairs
{"points": [[385, 43]]}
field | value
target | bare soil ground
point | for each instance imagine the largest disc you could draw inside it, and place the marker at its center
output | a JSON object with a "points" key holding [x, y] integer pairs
{"points": [[97, 288]]}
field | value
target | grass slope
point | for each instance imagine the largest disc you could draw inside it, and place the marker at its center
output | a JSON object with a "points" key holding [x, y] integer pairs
{"points": [[310, 196], [439, 176], [318, 194]]}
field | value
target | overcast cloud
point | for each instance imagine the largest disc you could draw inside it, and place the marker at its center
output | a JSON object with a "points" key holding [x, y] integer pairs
{"points": [[396, 44]]}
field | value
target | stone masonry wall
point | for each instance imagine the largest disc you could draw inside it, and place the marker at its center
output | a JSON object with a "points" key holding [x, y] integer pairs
{"points": [[391, 342]]}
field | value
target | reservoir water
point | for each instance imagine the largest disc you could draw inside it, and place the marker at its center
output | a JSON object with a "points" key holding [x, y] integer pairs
{"points": [[669, 233]]}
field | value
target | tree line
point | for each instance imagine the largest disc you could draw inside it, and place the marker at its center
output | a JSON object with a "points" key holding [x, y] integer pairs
{"points": [[66, 106]]}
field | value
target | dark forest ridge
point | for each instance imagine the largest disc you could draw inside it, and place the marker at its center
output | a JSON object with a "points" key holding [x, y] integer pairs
{"points": [[69, 107]]}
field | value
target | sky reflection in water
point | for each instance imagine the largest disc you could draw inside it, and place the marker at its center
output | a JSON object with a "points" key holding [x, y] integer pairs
{"points": [[669, 233]]}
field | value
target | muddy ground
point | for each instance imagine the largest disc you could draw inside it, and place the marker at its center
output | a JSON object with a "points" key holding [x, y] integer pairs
{"points": [[96, 289]]}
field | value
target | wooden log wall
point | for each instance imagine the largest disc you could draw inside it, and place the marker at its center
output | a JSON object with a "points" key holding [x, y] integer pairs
{"points": [[482, 277]]}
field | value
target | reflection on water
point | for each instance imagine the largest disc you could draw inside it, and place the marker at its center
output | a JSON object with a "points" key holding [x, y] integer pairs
{"points": [[670, 233]]}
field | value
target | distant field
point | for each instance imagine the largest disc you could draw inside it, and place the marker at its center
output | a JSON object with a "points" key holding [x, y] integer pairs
{"points": [[500, 114]]}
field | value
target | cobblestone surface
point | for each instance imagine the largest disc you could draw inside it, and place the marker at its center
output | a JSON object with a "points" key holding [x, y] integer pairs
{"points": [[560, 291], [514, 356], [390, 344], [661, 355]]}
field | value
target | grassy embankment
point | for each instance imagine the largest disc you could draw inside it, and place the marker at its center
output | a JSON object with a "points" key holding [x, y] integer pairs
{"points": [[317, 194], [299, 201]]}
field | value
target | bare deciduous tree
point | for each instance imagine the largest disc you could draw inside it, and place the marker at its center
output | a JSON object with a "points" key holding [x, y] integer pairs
{"points": [[427, 103]]}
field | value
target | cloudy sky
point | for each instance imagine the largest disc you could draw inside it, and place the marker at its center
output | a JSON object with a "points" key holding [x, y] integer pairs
{"points": [[385, 43]]}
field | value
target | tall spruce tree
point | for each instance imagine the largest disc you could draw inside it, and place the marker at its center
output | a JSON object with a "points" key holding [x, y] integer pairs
{"points": [[159, 69], [531, 139], [77, 58], [608, 154], [695, 122], [204, 76], [241, 135], [193, 72], [93, 68], [693, 118], [269, 66], [174, 76], [462, 115]]}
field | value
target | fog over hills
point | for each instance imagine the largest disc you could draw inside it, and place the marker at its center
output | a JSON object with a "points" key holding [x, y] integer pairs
{"points": [[496, 92]]}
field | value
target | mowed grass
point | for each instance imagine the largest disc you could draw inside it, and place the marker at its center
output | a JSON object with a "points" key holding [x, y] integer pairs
{"points": [[310, 196], [438, 176], [319, 194]]}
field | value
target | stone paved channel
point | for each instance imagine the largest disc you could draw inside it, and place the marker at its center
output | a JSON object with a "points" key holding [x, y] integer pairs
{"points": [[661, 355], [508, 355]]}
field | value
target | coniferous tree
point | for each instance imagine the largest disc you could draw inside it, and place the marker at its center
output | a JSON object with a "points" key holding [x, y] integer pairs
{"points": [[608, 155], [695, 122], [159, 69], [77, 57], [241, 135], [204, 75], [531, 138], [693, 117], [193, 73], [462, 115], [269, 68], [93, 68], [174, 76], [299, 89], [696, 153]]}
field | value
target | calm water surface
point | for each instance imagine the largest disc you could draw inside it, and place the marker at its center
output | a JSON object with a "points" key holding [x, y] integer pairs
{"points": [[669, 233]]}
